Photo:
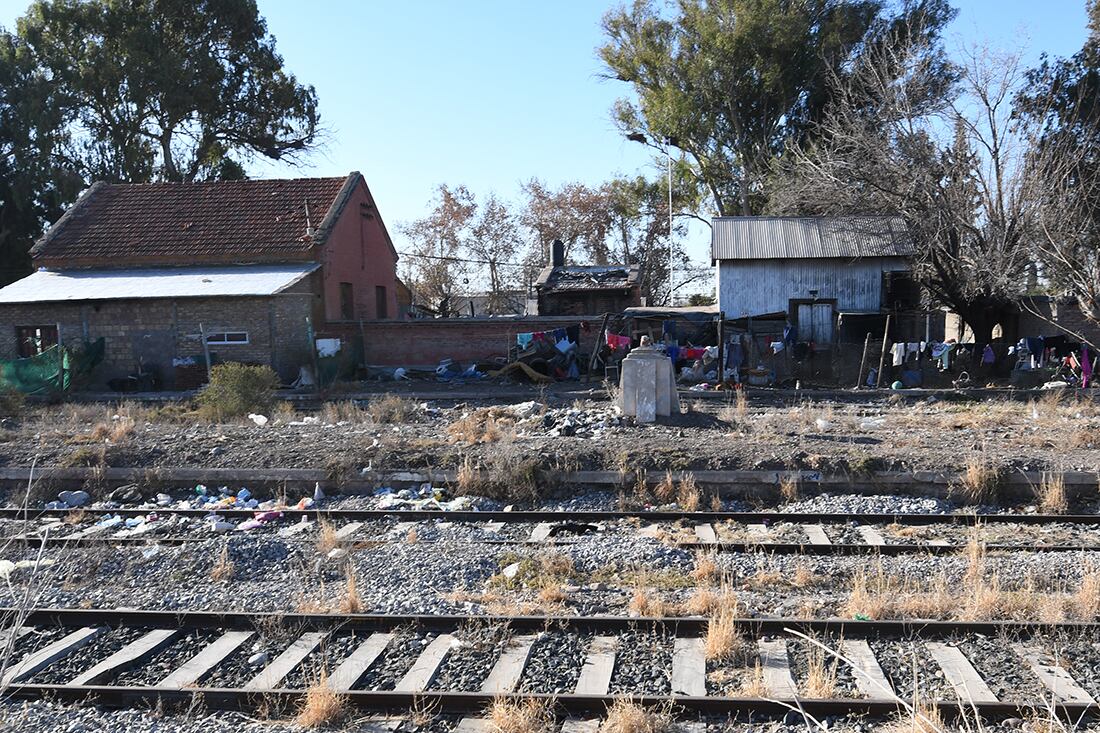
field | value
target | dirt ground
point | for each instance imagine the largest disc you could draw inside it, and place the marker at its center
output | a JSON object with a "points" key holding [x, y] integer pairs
{"points": [[389, 432]]}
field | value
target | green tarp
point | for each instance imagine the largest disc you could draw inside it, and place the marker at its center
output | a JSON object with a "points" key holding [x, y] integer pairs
{"points": [[37, 374]]}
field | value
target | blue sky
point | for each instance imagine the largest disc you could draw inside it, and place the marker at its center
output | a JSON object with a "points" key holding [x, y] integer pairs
{"points": [[489, 93]]}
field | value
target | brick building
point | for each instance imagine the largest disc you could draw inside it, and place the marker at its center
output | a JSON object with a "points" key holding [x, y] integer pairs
{"points": [[247, 265]]}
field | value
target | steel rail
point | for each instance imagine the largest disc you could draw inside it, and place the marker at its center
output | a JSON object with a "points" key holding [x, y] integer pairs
{"points": [[770, 548], [534, 517], [849, 628], [477, 702]]}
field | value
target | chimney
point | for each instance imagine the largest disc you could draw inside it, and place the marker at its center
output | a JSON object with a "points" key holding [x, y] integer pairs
{"points": [[557, 253]]}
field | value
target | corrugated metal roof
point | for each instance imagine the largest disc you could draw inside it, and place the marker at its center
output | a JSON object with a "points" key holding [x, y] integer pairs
{"points": [[779, 237], [154, 282]]}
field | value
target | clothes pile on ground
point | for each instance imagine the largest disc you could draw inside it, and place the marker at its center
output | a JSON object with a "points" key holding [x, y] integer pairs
{"points": [[545, 356]]}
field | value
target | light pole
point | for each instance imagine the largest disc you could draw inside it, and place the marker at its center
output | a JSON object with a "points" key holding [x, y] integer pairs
{"points": [[640, 138]]}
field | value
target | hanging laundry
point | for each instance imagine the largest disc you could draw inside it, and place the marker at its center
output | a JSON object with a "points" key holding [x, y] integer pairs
{"points": [[668, 328], [673, 353], [898, 350], [523, 340], [573, 333], [988, 357], [943, 353], [618, 342], [790, 334], [559, 334], [1086, 366], [565, 346], [777, 346]]}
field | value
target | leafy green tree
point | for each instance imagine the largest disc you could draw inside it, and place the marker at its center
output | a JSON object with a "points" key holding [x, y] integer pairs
{"points": [[36, 182], [174, 90], [732, 82]]}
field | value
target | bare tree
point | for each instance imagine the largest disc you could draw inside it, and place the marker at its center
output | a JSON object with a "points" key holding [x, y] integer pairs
{"points": [[949, 160], [495, 242], [435, 264]]}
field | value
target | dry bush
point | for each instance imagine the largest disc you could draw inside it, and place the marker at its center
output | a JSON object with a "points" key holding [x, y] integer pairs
{"points": [[821, 674], [553, 596], [224, 568], [868, 596], [533, 715], [321, 706], [665, 492], [688, 495], [391, 410], [508, 474], [980, 483], [351, 602], [236, 390], [487, 425], [724, 640], [626, 716], [1052, 494], [74, 517]]}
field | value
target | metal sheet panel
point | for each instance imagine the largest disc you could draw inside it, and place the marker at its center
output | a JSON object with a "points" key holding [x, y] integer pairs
{"points": [[771, 237], [757, 287], [46, 286]]}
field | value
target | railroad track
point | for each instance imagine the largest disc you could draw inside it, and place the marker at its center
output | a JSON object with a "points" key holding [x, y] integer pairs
{"points": [[69, 655], [815, 533]]}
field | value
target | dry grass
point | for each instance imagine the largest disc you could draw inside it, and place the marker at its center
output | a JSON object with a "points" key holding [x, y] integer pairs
{"points": [[821, 674], [1086, 602], [487, 425], [626, 716], [532, 715], [321, 705], [412, 537], [688, 495], [326, 537], [921, 719], [224, 568], [539, 572], [706, 568], [74, 517], [647, 603], [351, 602], [345, 411], [755, 684], [980, 483], [790, 488], [1052, 494], [804, 577], [724, 640], [665, 492], [391, 410]]}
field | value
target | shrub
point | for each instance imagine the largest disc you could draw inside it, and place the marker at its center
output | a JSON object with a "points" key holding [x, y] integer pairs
{"points": [[236, 390]]}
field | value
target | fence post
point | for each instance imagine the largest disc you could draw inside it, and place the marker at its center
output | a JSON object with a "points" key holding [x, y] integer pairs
{"points": [[882, 356]]}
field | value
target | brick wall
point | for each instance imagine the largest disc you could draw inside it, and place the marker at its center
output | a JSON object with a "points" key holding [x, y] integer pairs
{"points": [[1068, 316], [427, 342], [152, 332]]}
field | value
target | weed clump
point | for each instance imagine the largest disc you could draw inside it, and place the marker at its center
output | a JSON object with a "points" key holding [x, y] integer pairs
{"points": [[235, 390]]}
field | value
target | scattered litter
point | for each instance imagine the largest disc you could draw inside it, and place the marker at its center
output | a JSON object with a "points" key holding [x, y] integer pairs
{"points": [[337, 553], [511, 571], [150, 551], [872, 423], [75, 498], [822, 425], [257, 660], [7, 567], [260, 420]]}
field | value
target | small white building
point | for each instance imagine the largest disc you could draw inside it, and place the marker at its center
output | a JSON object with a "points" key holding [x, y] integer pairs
{"points": [[810, 269]]}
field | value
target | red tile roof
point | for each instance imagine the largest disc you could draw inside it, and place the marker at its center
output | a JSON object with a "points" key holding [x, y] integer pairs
{"points": [[192, 223]]}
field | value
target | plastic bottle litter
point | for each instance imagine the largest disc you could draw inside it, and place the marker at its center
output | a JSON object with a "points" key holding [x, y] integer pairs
{"points": [[244, 495]]}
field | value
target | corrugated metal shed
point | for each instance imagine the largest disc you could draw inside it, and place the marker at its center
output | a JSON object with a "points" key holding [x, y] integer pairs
{"points": [[779, 237], [46, 286]]}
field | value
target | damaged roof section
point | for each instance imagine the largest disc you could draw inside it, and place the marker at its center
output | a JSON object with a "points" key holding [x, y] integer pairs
{"points": [[588, 277]]}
